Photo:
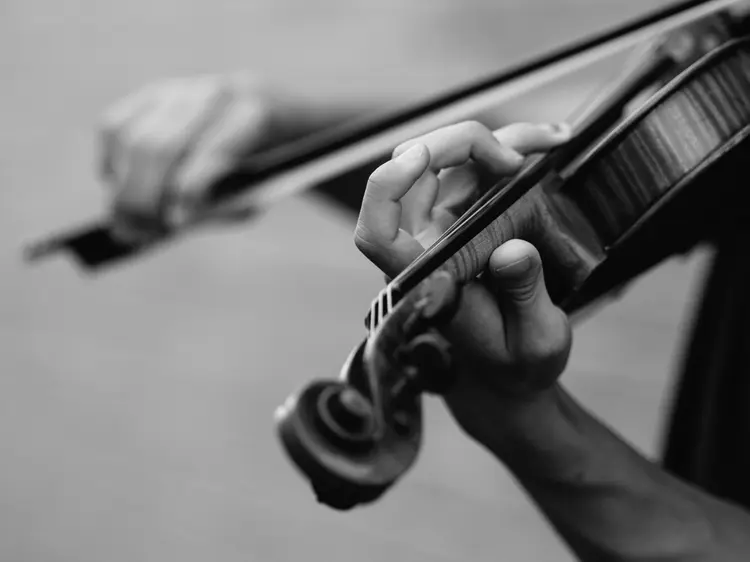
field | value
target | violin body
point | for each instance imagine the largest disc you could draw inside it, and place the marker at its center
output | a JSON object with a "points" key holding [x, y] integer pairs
{"points": [[650, 187]]}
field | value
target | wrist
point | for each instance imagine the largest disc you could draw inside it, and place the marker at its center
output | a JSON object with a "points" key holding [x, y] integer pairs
{"points": [[536, 434], [521, 421], [502, 421]]}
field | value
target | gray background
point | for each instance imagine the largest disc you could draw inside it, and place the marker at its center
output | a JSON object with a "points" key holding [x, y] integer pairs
{"points": [[136, 408]]}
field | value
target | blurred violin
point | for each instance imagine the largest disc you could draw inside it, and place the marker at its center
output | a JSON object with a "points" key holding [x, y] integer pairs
{"points": [[629, 189]]}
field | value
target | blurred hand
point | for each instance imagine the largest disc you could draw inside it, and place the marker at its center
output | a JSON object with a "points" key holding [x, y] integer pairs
{"points": [[510, 340], [163, 146]]}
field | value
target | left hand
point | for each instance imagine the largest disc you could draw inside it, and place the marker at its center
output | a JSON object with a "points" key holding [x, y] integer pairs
{"points": [[511, 342], [431, 180]]}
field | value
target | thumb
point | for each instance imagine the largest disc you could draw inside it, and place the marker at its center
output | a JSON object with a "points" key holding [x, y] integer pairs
{"points": [[535, 327]]}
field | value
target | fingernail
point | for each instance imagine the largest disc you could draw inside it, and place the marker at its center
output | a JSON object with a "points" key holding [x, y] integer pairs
{"points": [[559, 129], [411, 155], [515, 268], [516, 158], [509, 157]]}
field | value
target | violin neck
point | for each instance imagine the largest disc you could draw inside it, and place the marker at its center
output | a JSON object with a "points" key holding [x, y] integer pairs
{"points": [[560, 232]]}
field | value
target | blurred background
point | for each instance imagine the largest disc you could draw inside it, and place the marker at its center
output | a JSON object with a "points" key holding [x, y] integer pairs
{"points": [[136, 406]]}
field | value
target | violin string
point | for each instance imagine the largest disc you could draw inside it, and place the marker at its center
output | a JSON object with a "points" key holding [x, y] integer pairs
{"points": [[588, 107], [578, 119], [585, 111]]}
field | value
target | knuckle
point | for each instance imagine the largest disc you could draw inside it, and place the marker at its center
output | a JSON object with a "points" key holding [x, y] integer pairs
{"points": [[252, 113], [544, 129], [515, 134], [538, 134], [549, 352], [524, 292], [473, 128], [113, 120], [377, 181], [124, 110], [368, 243], [152, 142], [215, 90], [403, 147], [533, 136], [529, 127], [363, 240]]}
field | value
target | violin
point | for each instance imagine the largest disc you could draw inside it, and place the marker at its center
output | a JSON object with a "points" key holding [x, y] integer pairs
{"points": [[321, 158], [627, 191]]}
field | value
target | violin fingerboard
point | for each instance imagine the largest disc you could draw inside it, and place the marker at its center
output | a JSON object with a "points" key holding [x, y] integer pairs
{"points": [[517, 222]]}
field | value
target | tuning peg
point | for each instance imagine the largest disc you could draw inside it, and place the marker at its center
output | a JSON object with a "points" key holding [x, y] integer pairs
{"points": [[428, 362]]}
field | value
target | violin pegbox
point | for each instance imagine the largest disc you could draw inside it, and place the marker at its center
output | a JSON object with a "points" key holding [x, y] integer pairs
{"points": [[354, 437], [406, 341]]}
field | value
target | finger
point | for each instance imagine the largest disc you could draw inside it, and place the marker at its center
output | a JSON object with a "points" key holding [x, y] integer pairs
{"points": [[500, 152], [456, 144], [116, 121], [450, 147], [160, 141], [379, 234], [453, 145], [525, 138], [235, 129], [536, 330], [528, 138], [131, 106], [458, 190], [418, 202]]}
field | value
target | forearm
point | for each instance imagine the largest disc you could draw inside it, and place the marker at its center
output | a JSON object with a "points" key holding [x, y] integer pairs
{"points": [[605, 499]]}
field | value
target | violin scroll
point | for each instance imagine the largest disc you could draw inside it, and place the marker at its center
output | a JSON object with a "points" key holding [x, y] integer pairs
{"points": [[353, 438], [327, 431]]}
